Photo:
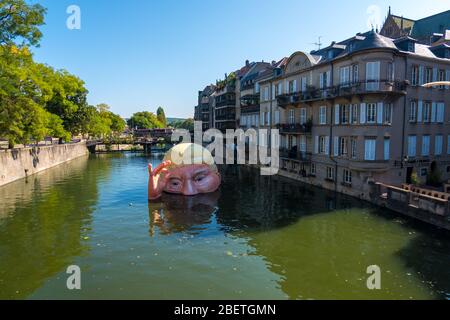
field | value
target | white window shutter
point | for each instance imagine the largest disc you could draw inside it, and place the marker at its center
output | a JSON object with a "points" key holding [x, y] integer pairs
{"points": [[362, 114], [387, 146], [316, 144], [447, 77], [433, 112], [321, 81], [327, 145], [380, 113], [328, 78], [419, 111], [286, 86], [440, 112], [295, 85], [336, 146], [273, 92], [435, 74], [420, 75], [336, 114]]}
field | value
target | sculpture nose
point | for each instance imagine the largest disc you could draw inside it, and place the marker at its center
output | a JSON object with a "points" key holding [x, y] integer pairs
{"points": [[189, 188]]}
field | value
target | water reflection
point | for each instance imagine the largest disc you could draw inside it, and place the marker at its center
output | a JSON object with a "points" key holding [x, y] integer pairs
{"points": [[178, 213], [45, 220]]}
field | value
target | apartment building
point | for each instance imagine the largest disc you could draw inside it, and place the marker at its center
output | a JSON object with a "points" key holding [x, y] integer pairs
{"points": [[249, 94], [355, 113], [204, 109]]}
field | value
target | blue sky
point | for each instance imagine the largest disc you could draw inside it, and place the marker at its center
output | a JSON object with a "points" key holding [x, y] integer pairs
{"points": [[140, 54]]}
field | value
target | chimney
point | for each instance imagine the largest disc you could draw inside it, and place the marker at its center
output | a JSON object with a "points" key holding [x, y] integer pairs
{"points": [[247, 63]]}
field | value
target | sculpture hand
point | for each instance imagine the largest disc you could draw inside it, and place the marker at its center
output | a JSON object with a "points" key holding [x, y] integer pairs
{"points": [[156, 182]]}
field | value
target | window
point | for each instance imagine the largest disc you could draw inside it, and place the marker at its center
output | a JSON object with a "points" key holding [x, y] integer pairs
{"points": [[303, 144], [291, 116], [330, 173], [323, 145], [413, 111], [345, 114], [373, 75], [411, 46], [415, 75], [353, 147], [266, 94], [428, 75], [302, 115], [256, 87], [427, 111], [343, 146], [371, 112], [277, 117], [323, 80], [344, 73], [303, 83], [423, 172], [441, 78], [313, 169], [438, 145], [426, 146], [291, 86], [347, 177], [387, 147], [390, 71], [412, 143], [355, 113], [388, 113], [323, 115], [370, 148], [448, 144], [355, 73]]}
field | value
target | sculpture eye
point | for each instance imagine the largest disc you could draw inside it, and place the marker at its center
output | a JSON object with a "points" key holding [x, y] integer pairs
{"points": [[174, 183], [200, 178]]}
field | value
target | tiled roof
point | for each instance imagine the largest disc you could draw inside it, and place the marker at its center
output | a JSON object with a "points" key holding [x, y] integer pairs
{"points": [[374, 41], [425, 27]]}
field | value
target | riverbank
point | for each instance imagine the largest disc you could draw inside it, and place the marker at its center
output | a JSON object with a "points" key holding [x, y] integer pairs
{"points": [[17, 164]]}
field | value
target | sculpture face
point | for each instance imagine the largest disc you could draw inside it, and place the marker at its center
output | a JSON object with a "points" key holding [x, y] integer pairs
{"points": [[191, 179]]}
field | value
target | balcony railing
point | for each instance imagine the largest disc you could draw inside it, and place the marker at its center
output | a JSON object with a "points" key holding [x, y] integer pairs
{"points": [[295, 128], [250, 108], [362, 87], [226, 102], [222, 117], [293, 154]]}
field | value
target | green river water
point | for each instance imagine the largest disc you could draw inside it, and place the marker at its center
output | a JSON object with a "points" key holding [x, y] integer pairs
{"points": [[257, 238]]}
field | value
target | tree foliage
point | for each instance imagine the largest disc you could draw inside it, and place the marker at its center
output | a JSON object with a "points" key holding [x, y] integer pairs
{"points": [[161, 115], [20, 22], [144, 120], [187, 124]]}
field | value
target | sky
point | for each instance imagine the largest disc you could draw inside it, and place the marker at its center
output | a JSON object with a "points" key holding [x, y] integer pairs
{"points": [[136, 55]]}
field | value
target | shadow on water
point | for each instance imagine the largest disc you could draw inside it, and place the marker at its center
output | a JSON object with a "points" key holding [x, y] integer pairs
{"points": [[316, 239], [43, 222]]}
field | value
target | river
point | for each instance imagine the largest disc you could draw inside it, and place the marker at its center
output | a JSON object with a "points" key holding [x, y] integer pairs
{"points": [[256, 238]]}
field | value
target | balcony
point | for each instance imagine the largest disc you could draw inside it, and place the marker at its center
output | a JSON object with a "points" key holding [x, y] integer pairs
{"points": [[371, 86], [344, 90], [288, 99], [250, 109], [295, 128], [294, 155], [226, 117]]}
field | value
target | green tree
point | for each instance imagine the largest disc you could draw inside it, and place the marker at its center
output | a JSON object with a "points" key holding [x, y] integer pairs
{"points": [[160, 114], [187, 124], [20, 21], [144, 120]]}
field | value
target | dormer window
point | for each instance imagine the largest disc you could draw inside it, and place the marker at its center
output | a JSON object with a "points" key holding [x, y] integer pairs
{"points": [[330, 54], [447, 54], [411, 46]]}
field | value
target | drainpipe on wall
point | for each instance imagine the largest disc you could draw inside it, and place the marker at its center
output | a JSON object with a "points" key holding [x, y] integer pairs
{"points": [[331, 153], [404, 118]]}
